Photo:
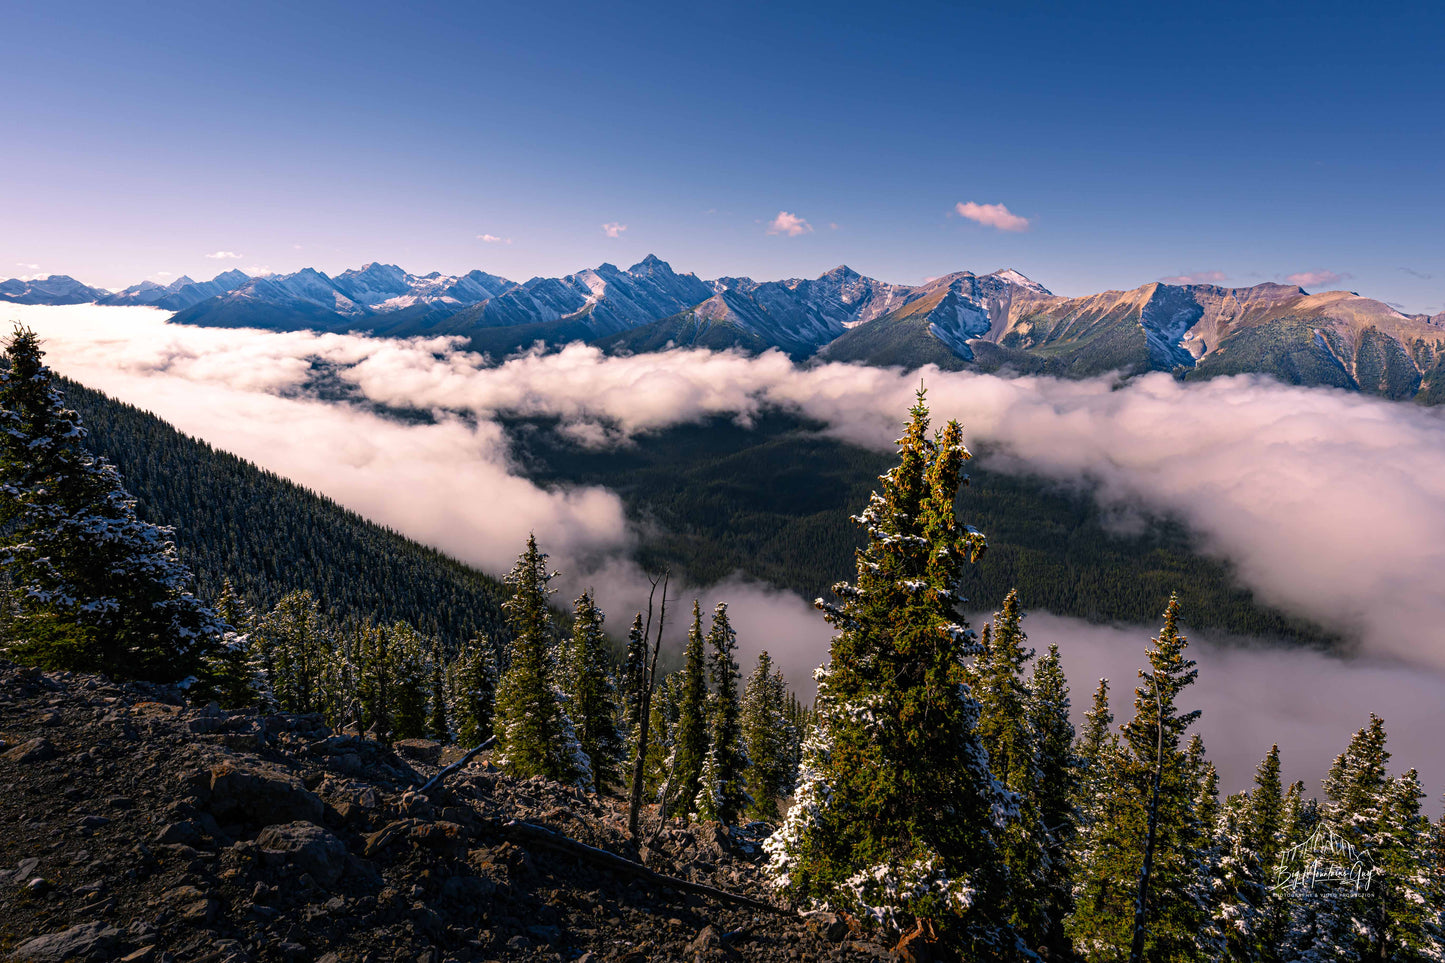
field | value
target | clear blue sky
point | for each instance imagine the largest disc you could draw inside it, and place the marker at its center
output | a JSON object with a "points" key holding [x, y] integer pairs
{"points": [[1253, 140]]}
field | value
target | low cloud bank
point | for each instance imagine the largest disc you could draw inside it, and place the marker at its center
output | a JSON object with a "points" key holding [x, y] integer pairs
{"points": [[1327, 504]]}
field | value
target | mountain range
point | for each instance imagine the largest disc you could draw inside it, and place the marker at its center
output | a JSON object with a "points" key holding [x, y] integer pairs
{"points": [[961, 320]]}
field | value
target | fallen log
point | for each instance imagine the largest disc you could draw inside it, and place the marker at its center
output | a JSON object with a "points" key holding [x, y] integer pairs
{"points": [[530, 832], [436, 780]]}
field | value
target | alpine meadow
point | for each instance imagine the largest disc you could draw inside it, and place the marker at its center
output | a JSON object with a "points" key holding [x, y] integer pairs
{"points": [[659, 483]]}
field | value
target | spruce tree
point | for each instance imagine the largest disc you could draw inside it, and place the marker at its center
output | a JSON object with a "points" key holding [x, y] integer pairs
{"points": [[1054, 795], [767, 737], [472, 683], [1238, 886], [1374, 821], [632, 684], [1004, 730], [294, 646], [229, 674], [721, 795], [535, 736], [408, 650], [896, 812], [1266, 827], [689, 747], [375, 680], [96, 588], [591, 697], [1115, 837], [438, 726]]}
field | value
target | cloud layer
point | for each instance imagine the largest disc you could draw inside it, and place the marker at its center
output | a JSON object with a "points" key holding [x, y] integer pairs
{"points": [[992, 215], [1327, 504]]}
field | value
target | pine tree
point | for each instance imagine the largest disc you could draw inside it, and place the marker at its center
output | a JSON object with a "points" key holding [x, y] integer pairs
{"points": [[535, 736], [1237, 879], [375, 680], [591, 697], [1377, 822], [438, 725], [96, 588], [1054, 794], [294, 647], [689, 747], [229, 674], [767, 737], [1116, 834], [408, 650], [721, 795], [633, 682], [472, 683], [1004, 730], [661, 735], [896, 811], [1267, 829]]}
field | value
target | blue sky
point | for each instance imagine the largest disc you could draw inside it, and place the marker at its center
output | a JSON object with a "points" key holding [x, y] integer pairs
{"points": [[1242, 143]]}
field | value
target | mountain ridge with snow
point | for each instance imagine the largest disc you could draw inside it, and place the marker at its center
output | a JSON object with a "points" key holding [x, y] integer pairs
{"points": [[1000, 320]]}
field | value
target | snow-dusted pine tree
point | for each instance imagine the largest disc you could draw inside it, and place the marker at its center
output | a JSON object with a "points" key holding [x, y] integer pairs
{"points": [[721, 795], [231, 675], [472, 683], [896, 813], [294, 646], [408, 650], [438, 721], [591, 699], [535, 736], [1054, 794], [1004, 730], [689, 744], [767, 737], [1114, 833], [1374, 822], [96, 588], [631, 685]]}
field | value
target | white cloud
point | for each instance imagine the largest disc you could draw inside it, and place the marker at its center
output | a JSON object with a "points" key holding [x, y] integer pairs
{"points": [[992, 215], [1327, 504], [1197, 277], [493, 239], [27, 266], [613, 229], [224, 255], [790, 224], [1316, 279]]}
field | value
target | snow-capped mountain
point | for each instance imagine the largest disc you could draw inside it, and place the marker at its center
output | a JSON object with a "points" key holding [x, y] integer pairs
{"points": [[180, 293], [386, 287], [961, 320], [56, 289]]}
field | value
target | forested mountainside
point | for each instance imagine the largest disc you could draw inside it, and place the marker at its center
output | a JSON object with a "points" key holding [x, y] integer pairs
{"points": [[961, 321], [270, 536], [773, 501]]}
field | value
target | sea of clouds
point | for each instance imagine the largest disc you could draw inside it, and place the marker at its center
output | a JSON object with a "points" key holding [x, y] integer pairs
{"points": [[1327, 504]]}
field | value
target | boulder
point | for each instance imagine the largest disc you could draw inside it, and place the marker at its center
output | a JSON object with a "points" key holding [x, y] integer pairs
{"points": [[35, 750], [261, 797], [86, 941], [307, 847]]}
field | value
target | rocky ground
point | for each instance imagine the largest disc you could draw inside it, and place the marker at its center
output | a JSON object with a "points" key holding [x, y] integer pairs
{"points": [[136, 827]]}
